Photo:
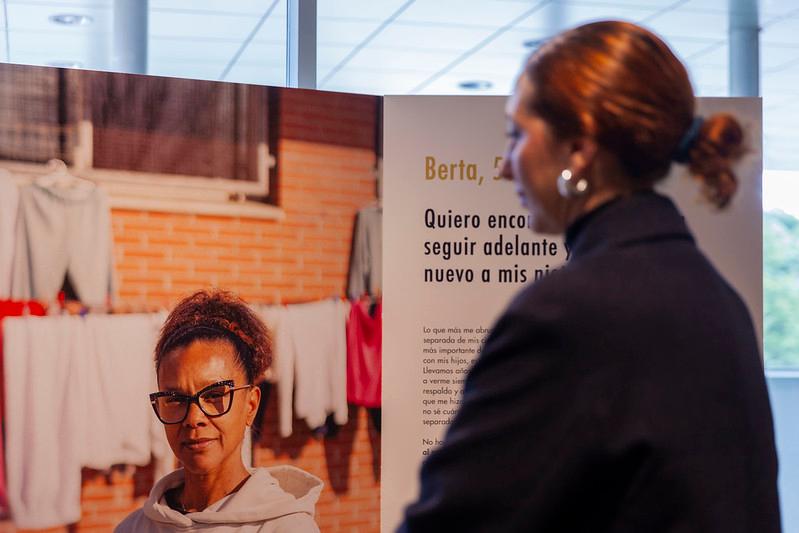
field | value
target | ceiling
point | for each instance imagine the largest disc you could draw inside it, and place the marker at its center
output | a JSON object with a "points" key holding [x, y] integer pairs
{"points": [[409, 46]]}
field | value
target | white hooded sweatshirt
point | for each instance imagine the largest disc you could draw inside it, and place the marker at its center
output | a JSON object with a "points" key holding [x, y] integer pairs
{"points": [[278, 499]]}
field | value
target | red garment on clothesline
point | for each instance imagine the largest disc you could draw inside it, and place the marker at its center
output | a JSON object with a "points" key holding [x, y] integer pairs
{"points": [[10, 308], [364, 354]]}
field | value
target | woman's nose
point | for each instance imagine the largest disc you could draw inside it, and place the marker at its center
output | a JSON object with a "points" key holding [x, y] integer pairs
{"points": [[195, 416], [505, 170]]}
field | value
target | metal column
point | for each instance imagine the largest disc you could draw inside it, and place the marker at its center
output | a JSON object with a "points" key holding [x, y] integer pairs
{"points": [[744, 39], [130, 35], [555, 18], [301, 45]]}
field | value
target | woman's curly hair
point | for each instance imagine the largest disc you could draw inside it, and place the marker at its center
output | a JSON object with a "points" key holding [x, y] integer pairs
{"points": [[218, 314]]}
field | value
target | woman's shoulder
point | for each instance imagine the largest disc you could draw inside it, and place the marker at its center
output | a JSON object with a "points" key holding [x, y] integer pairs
{"points": [[559, 289], [134, 522], [280, 498], [275, 497], [285, 482]]}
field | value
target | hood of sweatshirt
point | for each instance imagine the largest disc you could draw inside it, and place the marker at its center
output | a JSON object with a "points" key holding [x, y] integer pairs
{"points": [[269, 493]]}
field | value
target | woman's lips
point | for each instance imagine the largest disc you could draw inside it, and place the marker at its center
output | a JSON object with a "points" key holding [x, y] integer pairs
{"points": [[197, 445]]}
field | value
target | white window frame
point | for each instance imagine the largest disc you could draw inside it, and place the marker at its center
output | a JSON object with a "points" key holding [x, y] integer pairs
{"points": [[166, 193]]}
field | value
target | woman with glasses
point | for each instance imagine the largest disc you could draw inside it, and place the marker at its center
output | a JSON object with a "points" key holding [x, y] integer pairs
{"points": [[211, 350]]}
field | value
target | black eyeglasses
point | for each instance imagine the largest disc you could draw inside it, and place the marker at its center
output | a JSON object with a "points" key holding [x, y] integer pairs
{"points": [[214, 400]]}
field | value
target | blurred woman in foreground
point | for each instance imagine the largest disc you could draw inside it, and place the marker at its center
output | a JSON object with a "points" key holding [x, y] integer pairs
{"points": [[625, 391]]}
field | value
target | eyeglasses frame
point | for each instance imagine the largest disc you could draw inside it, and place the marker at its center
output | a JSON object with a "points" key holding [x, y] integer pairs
{"points": [[195, 398]]}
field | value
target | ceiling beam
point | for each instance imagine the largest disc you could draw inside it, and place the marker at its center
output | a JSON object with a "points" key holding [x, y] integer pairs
{"points": [[744, 37], [130, 36], [301, 45]]}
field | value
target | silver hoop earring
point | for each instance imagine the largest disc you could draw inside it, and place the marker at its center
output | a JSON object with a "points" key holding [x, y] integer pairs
{"points": [[569, 187]]}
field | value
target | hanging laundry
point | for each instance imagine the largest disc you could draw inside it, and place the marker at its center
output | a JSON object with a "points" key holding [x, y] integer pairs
{"points": [[63, 231], [10, 308], [43, 420], [310, 361], [364, 354], [76, 396], [9, 201], [275, 318], [117, 373], [318, 333], [366, 259]]}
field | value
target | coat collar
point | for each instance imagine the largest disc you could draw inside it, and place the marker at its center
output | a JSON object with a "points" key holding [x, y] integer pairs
{"points": [[641, 216]]}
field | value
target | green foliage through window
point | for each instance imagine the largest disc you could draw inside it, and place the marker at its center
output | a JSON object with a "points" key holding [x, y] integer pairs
{"points": [[781, 289]]}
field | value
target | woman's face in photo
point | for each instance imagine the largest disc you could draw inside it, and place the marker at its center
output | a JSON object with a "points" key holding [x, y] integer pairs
{"points": [[206, 444], [533, 160]]}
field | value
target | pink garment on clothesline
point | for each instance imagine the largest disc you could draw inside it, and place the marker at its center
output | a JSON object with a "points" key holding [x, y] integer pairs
{"points": [[364, 354]]}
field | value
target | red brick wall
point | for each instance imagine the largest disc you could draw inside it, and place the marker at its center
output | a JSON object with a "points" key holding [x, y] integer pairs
{"points": [[325, 170]]}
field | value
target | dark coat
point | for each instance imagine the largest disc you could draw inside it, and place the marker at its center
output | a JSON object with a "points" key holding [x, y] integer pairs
{"points": [[622, 393]]}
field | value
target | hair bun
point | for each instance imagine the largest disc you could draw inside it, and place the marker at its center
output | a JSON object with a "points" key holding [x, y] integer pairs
{"points": [[718, 146], [218, 314]]}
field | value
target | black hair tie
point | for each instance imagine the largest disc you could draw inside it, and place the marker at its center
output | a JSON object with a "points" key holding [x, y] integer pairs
{"points": [[682, 154]]}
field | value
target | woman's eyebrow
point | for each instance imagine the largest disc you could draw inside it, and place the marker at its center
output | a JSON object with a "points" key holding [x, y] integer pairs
{"points": [[207, 384], [172, 389]]}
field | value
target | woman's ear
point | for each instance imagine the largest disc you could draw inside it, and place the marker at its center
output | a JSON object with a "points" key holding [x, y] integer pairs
{"points": [[253, 401], [583, 153]]}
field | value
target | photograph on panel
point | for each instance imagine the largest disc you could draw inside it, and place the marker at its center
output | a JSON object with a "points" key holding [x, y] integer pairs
{"points": [[190, 295]]}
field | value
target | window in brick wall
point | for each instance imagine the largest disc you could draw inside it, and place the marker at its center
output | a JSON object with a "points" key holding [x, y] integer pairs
{"points": [[144, 137], [176, 126], [34, 124]]}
